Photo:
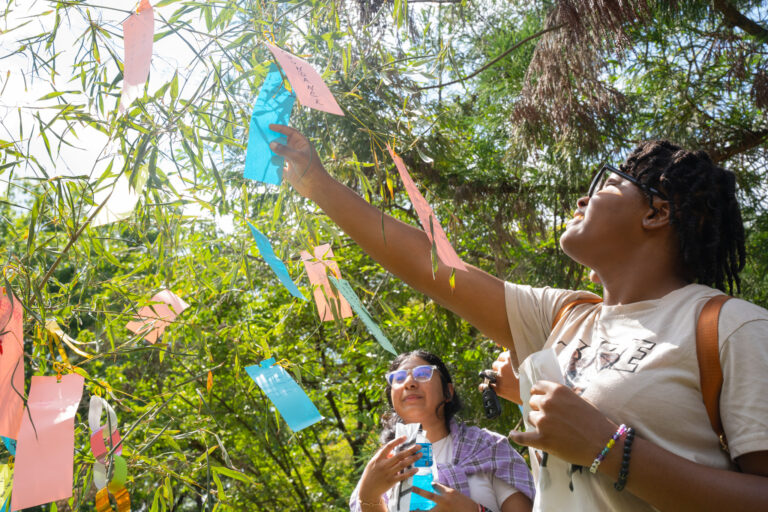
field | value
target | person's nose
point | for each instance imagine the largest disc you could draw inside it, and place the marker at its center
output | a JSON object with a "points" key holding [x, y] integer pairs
{"points": [[582, 202], [410, 382]]}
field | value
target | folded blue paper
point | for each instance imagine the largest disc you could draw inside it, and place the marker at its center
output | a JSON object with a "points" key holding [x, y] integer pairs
{"points": [[277, 266], [292, 402], [273, 105], [346, 290]]}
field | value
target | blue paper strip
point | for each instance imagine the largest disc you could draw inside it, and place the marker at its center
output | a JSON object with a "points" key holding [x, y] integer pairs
{"points": [[273, 105], [346, 290], [277, 266], [292, 402], [10, 444]]}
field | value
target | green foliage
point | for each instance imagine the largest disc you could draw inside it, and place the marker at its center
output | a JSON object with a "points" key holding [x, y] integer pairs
{"points": [[502, 187]]}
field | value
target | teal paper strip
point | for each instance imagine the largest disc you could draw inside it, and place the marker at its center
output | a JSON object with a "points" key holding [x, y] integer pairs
{"points": [[277, 266], [273, 105], [294, 405], [346, 290]]}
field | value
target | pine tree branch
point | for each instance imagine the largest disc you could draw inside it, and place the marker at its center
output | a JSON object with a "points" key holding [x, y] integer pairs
{"points": [[736, 19]]}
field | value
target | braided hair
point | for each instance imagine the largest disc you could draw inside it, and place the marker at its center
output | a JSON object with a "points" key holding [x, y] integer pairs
{"points": [[450, 408], [703, 209]]}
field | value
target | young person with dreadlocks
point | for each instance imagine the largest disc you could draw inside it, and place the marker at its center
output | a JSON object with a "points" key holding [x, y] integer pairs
{"points": [[659, 232]]}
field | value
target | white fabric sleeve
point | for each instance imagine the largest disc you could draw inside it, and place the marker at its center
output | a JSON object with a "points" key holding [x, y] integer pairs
{"points": [[744, 359], [502, 490], [530, 312]]}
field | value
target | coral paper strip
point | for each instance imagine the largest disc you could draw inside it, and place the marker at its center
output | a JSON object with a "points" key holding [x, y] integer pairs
{"points": [[277, 266], [138, 36], [273, 106], [306, 82], [46, 444], [157, 316], [292, 402], [11, 365], [346, 290], [444, 249], [317, 267]]}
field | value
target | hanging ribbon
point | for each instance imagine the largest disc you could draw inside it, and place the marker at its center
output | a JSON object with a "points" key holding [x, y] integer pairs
{"points": [[109, 461]]}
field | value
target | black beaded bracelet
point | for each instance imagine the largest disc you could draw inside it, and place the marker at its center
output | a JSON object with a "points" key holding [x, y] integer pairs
{"points": [[624, 472]]}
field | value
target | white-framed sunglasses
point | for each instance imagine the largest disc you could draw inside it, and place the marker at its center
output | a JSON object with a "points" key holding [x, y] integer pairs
{"points": [[420, 374]]}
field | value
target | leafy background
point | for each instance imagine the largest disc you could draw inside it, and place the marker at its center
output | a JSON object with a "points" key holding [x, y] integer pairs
{"points": [[502, 110]]}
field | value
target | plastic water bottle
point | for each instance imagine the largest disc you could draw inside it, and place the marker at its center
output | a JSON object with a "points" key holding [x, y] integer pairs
{"points": [[423, 478]]}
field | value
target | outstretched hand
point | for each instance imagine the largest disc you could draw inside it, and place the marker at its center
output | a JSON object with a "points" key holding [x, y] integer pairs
{"points": [[303, 167], [448, 500], [564, 424], [385, 469]]}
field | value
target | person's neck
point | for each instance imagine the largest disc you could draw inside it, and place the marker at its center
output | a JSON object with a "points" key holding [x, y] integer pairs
{"points": [[643, 277], [436, 430]]}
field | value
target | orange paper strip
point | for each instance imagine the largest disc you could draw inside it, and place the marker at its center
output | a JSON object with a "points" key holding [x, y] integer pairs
{"points": [[444, 249], [45, 451], [317, 268], [11, 365]]}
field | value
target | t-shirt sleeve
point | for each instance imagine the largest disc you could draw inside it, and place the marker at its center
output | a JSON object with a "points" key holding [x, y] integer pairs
{"points": [[502, 490], [530, 312], [743, 400]]}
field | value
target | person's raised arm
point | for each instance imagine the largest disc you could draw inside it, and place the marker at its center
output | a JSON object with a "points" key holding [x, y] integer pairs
{"points": [[402, 249]]}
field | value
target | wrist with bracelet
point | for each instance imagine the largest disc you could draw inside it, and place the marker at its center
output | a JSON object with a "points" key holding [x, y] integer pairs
{"points": [[629, 435]]}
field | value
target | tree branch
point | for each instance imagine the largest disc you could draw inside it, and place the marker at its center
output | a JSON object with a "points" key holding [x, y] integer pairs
{"points": [[748, 141], [734, 18], [497, 59]]}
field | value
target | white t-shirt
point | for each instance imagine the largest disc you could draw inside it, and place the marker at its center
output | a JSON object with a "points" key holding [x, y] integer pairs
{"points": [[485, 489], [637, 364]]}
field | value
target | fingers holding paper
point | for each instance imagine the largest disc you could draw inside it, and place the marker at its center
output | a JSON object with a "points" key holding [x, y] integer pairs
{"points": [[303, 167]]}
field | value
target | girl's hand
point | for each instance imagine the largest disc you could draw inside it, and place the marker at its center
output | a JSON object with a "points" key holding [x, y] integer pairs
{"points": [[449, 500], [507, 384], [565, 425], [303, 168], [385, 469]]}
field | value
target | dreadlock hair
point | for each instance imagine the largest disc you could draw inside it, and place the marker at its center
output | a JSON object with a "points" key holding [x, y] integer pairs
{"points": [[450, 408], [703, 209]]}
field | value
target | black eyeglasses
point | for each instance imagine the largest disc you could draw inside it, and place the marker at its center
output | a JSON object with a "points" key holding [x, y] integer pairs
{"points": [[604, 174]]}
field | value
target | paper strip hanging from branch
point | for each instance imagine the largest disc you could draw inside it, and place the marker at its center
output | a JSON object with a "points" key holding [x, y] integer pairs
{"points": [[294, 405], [329, 303], [46, 445], [427, 218], [152, 320], [273, 106], [138, 36], [306, 82], [277, 266], [346, 290], [11, 364]]}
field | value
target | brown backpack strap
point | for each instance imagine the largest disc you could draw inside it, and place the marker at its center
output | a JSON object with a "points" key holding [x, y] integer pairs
{"points": [[568, 307], [708, 353]]}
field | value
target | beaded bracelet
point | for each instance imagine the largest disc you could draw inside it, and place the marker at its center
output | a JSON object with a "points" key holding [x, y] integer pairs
{"points": [[367, 504], [624, 472], [612, 441]]}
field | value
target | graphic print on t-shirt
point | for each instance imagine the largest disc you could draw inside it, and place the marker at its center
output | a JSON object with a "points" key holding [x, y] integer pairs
{"points": [[586, 361]]}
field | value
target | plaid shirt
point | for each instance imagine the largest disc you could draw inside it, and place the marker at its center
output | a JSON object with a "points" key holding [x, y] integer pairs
{"points": [[477, 450]]}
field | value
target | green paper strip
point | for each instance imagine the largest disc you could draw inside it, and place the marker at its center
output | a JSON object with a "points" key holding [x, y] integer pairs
{"points": [[346, 290], [119, 474]]}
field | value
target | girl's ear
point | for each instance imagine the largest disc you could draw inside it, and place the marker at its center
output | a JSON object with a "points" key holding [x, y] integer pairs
{"points": [[449, 393]]}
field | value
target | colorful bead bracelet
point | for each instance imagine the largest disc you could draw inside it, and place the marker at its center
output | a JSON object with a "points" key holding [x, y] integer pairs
{"points": [[601, 456]]}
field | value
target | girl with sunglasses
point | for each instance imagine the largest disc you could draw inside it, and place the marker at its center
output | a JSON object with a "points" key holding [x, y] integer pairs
{"points": [[663, 233], [478, 469]]}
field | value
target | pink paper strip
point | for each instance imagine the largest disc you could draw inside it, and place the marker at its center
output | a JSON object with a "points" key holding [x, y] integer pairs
{"points": [[11, 366], [308, 85], [444, 249], [138, 36], [157, 316], [99, 447], [45, 452], [317, 268]]}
